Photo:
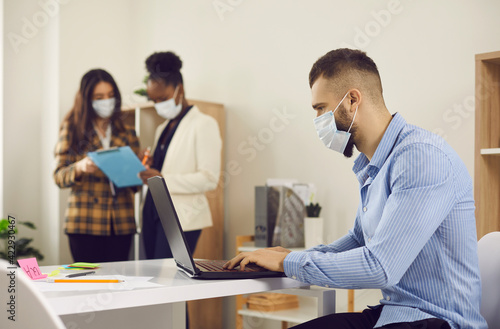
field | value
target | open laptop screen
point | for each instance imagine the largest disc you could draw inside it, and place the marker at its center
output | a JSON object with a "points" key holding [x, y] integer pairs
{"points": [[173, 230]]}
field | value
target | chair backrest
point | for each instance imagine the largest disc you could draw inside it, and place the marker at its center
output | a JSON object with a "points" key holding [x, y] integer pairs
{"points": [[25, 303], [489, 266]]}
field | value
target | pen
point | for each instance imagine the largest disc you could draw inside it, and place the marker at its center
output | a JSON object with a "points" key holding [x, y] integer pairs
{"points": [[83, 281], [79, 274], [146, 155]]}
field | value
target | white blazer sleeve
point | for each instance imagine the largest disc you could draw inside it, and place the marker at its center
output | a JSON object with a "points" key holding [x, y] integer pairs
{"points": [[207, 154]]}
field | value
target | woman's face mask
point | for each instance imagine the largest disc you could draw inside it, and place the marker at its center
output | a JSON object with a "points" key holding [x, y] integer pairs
{"points": [[104, 107], [168, 109]]}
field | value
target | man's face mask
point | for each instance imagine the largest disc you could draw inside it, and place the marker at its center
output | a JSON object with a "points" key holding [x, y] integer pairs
{"points": [[327, 130]]}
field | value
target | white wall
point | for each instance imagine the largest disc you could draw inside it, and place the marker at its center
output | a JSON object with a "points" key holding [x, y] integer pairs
{"points": [[255, 59], [30, 108], [96, 34]]}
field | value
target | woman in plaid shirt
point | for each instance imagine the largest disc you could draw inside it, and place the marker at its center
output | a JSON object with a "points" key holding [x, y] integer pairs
{"points": [[100, 221]]}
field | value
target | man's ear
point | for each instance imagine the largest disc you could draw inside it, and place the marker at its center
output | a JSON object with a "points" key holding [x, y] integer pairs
{"points": [[355, 99]]}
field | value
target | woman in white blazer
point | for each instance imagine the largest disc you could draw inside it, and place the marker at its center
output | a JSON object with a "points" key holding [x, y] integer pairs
{"points": [[186, 153]]}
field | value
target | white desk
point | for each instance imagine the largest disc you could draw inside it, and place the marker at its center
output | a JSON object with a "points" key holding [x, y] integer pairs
{"points": [[161, 307]]}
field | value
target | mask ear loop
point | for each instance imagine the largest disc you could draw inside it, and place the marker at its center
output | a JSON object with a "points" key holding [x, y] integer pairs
{"points": [[182, 99], [175, 94], [354, 117], [340, 103]]}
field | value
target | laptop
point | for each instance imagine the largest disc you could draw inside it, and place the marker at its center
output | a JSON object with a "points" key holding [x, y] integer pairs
{"points": [[199, 269]]}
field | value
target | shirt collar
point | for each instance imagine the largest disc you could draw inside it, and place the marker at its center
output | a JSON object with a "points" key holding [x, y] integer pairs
{"points": [[383, 150]]}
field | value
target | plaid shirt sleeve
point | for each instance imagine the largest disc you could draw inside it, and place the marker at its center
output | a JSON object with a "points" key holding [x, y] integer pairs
{"points": [[66, 158]]}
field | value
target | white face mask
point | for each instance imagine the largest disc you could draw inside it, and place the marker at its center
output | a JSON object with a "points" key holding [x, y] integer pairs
{"points": [[104, 107], [168, 109], [327, 130]]}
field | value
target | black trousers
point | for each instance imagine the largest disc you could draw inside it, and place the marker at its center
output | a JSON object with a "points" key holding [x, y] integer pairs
{"points": [[156, 244], [100, 248], [367, 320]]}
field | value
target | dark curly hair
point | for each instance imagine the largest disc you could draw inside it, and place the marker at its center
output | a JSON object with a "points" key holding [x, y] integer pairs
{"points": [[165, 67]]}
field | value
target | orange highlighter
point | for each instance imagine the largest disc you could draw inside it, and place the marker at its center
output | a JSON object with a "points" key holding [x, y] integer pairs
{"points": [[83, 281], [146, 155]]}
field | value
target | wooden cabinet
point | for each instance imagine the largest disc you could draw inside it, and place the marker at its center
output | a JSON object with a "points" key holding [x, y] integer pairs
{"points": [[206, 313], [487, 143]]}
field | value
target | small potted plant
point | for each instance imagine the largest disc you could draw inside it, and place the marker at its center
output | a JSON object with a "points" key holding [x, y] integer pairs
{"points": [[313, 210], [21, 247], [142, 91]]}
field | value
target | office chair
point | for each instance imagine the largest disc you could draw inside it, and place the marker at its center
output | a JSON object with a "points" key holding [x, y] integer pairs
{"points": [[32, 309], [489, 266]]}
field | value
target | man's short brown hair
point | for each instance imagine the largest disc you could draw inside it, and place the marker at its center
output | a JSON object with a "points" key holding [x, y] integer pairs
{"points": [[348, 68]]}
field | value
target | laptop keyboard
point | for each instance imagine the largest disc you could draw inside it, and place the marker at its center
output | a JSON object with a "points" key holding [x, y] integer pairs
{"points": [[216, 266]]}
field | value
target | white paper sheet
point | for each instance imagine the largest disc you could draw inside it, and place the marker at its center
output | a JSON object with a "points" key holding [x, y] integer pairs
{"points": [[130, 282]]}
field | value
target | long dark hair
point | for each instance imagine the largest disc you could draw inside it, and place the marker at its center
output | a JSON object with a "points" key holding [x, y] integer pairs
{"points": [[81, 117]]}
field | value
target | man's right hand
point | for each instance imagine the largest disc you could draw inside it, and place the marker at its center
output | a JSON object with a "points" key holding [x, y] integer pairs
{"points": [[270, 258]]}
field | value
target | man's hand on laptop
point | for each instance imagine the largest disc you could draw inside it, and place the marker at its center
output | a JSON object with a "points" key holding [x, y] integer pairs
{"points": [[269, 258]]}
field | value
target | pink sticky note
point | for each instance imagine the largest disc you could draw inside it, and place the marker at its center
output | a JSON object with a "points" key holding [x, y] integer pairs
{"points": [[30, 267]]}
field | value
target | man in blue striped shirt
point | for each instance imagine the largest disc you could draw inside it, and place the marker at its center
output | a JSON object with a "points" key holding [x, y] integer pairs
{"points": [[414, 235]]}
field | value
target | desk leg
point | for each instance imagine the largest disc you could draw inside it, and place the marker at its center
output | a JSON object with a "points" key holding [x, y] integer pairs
{"points": [[178, 315], [165, 316], [326, 302]]}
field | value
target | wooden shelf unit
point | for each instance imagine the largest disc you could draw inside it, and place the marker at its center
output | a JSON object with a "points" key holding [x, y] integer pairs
{"points": [[308, 311], [495, 151], [487, 143], [314, 302], [205, 313]]}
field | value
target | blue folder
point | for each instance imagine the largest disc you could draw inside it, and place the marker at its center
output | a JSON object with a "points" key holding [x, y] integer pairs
{"points": [[120, 164]]}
